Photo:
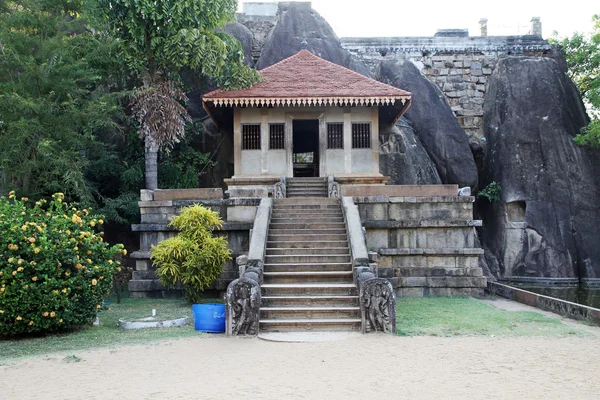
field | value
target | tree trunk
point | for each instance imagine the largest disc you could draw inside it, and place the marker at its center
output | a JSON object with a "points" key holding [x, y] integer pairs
{"points": [[151, 158]]}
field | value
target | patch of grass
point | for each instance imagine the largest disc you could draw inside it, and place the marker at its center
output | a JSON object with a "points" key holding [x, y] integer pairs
{"points": [[107, 333], [463, 316]]}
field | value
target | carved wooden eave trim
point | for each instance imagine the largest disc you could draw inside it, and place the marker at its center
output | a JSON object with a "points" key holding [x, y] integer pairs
{"points": [[305, 101]]}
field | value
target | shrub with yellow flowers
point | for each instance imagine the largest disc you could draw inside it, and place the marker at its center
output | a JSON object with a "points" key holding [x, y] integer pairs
{"points": [[55, 268]]}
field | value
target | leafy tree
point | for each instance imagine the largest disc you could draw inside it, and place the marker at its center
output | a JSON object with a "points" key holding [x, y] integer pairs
{"points": [[583, 60], [158, 39], [55, 99]]}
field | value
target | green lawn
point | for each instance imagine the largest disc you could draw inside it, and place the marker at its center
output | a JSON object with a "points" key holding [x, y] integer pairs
{"points": [[463, 316], [108, 333], [439, 316]]}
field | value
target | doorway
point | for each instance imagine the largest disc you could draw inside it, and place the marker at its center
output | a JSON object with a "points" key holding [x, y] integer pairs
{"points": [[305, 151]]}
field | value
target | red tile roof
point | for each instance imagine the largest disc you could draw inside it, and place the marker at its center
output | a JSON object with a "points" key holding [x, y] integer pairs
{"points": [[304, 75]]}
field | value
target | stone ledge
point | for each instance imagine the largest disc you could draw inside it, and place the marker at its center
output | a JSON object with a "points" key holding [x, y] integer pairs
{"points": [[164, 203], [227, 226], [413, 199], [372, 224], [399, 190], [405, 272], [440, 282], [188, 194], [435, 252]]}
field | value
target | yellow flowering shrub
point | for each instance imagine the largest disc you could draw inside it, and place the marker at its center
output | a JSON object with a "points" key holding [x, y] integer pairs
{"points": [[47, 282]]}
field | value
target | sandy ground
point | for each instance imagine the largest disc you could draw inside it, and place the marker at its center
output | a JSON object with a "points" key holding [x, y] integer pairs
{"points": [[364, 367]]}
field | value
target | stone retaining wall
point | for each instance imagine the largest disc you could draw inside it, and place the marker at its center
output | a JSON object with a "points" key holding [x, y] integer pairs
{"points": [[562, 307], [158, 208]]}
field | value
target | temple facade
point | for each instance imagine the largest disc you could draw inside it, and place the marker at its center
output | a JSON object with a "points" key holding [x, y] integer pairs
{"points": [[308, 118]]}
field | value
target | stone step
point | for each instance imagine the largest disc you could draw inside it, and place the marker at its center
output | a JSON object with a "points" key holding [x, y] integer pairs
{"points": [[307, 258], [306, 189], [307, 231], [304, 301], [308, 277], [307, 225], [328, 201], [305, 289], [306, 195], [300, 213], [279, 313], [287, 237], [317, 185], [306, 179], [314, 250], [305, 207], [300, 267], [292, 325], [313, 219], [307, 244]]}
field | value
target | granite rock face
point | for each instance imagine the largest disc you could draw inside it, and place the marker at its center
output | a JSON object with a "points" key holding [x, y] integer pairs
{"points": [[403, 158], [300, 27], [245, 36], [434, 123], [547, 221]]}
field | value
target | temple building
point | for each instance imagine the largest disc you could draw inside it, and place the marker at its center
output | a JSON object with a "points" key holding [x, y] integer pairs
{"points": [[308, 118]]}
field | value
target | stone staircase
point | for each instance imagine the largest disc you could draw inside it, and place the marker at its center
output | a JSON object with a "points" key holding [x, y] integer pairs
{"points": [[306, 187], [308, 283]]}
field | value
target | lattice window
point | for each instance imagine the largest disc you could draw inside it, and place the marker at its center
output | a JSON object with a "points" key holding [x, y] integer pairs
{"points": [[276, 136], [361, 135], [251, 137], [335, 135]]}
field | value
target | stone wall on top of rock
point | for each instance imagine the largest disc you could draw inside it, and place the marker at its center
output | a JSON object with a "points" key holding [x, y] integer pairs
{"points": [[547, 221], [434, 123], [297, 27]]}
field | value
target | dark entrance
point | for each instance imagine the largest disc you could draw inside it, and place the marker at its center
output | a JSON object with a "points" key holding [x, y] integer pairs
{"points": [[305, 153]]}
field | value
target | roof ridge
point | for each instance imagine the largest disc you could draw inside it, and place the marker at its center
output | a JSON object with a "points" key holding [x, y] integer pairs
{"points": [[287, 59]]}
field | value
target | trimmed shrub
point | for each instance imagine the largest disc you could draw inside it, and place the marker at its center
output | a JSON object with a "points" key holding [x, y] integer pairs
{"points": [[194, 257], [55, 268]]}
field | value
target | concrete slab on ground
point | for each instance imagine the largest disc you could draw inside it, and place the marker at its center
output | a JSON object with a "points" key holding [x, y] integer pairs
{"points": [[302, 337]]}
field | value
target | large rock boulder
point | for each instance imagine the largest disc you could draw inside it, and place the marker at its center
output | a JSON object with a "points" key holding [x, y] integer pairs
{"points": [[434, 123], [245, 36], [547, 221], [403, 158], [300, 27]]}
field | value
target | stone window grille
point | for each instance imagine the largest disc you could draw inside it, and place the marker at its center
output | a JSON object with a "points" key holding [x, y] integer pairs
{"points": [[276, 136], [361, 135], [251, 137], [335, 135]]}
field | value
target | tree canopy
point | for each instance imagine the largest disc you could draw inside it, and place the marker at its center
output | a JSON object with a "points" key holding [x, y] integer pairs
{"points": [[582, 53]]}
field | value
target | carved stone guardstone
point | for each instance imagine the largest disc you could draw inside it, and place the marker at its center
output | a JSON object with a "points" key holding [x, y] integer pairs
{"points": [[279, 191], [377, 305], [333, 188], [243, 306]]}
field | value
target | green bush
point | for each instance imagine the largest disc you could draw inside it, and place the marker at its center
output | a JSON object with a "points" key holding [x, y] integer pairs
{"points": [[194, 257], [55, 269], [491, 191]]}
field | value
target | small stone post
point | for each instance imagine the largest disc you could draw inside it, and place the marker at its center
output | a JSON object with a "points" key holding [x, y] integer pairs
{"points": [[483, 26], [536, 26]]}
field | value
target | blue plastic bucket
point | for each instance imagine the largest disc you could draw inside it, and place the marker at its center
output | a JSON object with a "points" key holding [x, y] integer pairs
{"points": [[209, 317]]}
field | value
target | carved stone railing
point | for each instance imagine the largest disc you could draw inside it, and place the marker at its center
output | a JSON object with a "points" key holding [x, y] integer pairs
{"points": [[243, 294], [376, 295], [279, 189], [333, 188]]}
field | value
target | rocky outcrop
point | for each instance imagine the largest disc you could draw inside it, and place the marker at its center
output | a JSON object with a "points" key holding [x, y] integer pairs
{"points": [[434, 123], [245, 36], [547, 221], [300, 27], [403, 158]]}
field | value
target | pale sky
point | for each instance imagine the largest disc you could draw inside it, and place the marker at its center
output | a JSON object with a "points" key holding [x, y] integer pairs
{"points": [[422, 18]]}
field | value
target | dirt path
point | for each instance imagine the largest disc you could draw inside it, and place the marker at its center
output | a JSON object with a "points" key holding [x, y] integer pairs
{"points": [[368, 367]]}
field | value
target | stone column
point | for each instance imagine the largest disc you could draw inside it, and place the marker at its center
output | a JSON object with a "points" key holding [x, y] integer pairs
{"points": [[347, 140], [536, 26], [483, 26], [375, 139], [322, 146], [237, 141], [289, 144], [264, 140]]}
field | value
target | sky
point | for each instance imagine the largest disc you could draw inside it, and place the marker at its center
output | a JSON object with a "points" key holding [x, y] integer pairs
{"points": [[372, 18]]}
